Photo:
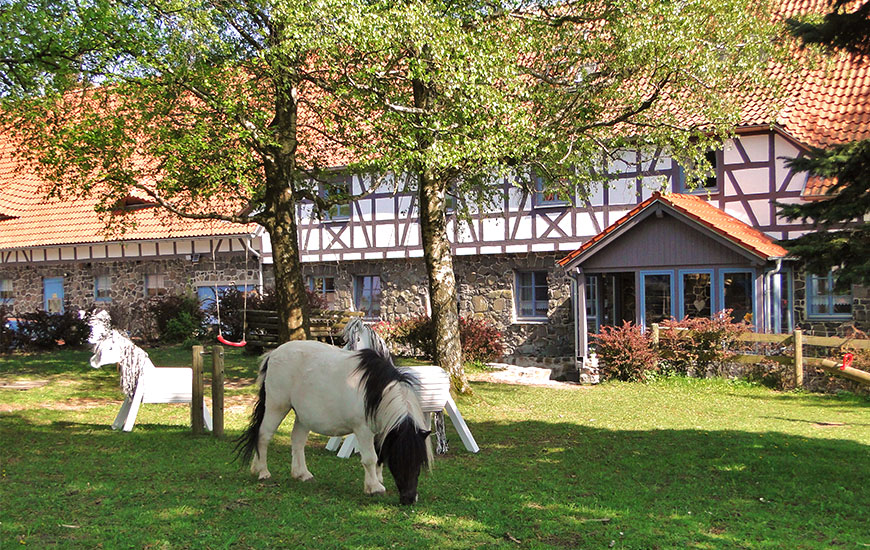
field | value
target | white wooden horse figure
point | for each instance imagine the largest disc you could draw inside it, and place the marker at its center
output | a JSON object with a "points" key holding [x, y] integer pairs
{"points": [[433, 391], [336, 392], [141, 381]]}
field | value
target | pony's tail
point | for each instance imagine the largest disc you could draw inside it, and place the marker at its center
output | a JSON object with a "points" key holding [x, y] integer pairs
{"points": [[246, 444]]}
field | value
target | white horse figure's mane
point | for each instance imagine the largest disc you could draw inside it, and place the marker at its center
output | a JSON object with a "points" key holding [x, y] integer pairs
{"points": [[356, 333], [133, 359]]}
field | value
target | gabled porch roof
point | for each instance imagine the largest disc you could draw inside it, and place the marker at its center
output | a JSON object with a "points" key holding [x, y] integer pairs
{"points": [[694, 210]]}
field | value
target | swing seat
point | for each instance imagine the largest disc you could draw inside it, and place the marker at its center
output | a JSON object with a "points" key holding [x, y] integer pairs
{"points": [[226, 342]]}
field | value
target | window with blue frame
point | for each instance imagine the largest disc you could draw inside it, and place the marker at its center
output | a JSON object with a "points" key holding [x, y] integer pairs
{"points": [[657, 290], [592, 303], [696, 294], [6, 295], [103, 288], [206, 294], [532, 295], [824, 300], [546, 197], [324, 287], [710, 183], [738, 295], [367, 295], [337, 187]]}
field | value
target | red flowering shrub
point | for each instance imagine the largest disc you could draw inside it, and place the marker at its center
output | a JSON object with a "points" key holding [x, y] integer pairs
{"points": [[625, 353], [481, 342], [697, 344]]}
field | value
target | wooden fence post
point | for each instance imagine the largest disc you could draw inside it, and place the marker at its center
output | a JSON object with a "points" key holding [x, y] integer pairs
{"points": [[655, 334], [798, 358], [196, 401], [217, 390]]}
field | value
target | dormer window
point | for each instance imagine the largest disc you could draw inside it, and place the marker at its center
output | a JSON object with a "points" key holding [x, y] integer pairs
{"points": [[131, 203]]}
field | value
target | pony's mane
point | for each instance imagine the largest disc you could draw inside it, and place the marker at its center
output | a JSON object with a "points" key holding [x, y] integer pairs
{"points": [[377, 377], [392, 404]]}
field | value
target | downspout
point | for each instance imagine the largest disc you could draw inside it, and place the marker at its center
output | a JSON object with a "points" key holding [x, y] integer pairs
{"points": [[581, 346]]}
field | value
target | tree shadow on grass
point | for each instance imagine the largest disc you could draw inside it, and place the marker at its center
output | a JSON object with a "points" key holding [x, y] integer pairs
{"points": [[534, 485]]}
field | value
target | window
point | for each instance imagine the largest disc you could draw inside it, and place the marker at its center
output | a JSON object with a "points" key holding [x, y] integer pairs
{"points": [[592, 303], [103, 288], [324, 287], [546, 197], [206, 295], [336, 187], [449, 202], [696, 294], [710, 183], [6, 296], [155, 284], [532, 295], [656, 297], [738, 295], [824, 301], [52, 294], [367, 295]]}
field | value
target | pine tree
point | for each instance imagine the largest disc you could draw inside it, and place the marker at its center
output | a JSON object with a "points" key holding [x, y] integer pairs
{"points": [[842, 236]]}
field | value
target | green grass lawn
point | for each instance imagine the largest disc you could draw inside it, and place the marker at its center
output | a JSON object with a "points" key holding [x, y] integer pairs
{"points": [[677, 463]]}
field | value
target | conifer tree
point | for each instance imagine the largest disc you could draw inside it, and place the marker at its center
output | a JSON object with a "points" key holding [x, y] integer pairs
{"points": [[842, 236]]}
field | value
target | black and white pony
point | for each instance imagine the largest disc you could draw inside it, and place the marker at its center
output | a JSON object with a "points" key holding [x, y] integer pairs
{"points": [[337, 392]]}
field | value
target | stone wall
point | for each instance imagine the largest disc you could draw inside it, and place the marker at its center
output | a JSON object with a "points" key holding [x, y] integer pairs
{"points": [[486, 290], [485, 283], [128, 299], [860, 312]]}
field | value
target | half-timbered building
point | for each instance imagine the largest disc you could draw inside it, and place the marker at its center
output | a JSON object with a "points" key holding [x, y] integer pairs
{"points": [[640, 247]]}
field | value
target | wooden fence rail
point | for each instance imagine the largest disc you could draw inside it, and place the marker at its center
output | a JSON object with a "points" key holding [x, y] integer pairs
{"points": [[325, 326], [797, 340]]}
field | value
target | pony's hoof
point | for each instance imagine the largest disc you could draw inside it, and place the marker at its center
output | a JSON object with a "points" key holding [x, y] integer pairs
{"points": [[304, 476], [264, 476], [376, 490]]}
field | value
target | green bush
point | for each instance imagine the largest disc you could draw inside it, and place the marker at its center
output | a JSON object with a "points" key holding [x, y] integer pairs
{"points": [[41, 330], [177, 316], [181, 328], [7, 333]]}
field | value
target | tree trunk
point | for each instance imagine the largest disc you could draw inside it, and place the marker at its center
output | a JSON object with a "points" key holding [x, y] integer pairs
{"points": [[293, 312], [280, 170], [442, 281]]}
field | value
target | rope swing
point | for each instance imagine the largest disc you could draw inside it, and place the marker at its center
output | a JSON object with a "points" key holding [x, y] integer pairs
{"points": [[217, 301]]}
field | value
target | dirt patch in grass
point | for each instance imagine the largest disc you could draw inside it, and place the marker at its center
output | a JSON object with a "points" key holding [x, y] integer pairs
{"points": [[494, 378], [22, 384]]}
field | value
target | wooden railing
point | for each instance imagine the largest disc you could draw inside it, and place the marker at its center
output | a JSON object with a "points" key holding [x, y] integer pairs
{"points": [[326, 326], [797, 340]]}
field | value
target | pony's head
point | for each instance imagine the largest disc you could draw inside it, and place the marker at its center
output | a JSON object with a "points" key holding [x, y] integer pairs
{"points": [[405, 450], [391, 404]]}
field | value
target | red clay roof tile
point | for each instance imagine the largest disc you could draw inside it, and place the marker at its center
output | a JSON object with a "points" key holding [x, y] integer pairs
{"points": [[702, 212]]}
